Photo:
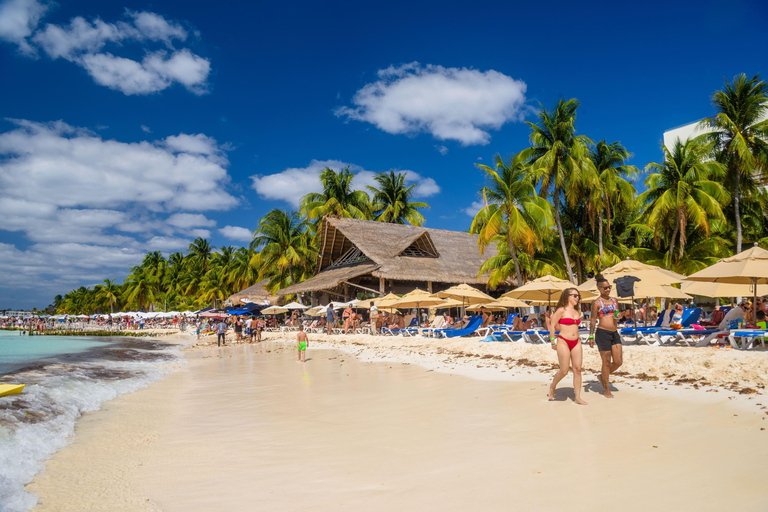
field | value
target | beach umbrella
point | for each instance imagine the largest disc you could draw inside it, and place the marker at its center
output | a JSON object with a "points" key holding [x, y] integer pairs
{"points": [[448, 303], [749, 267], [417, 299], [490, 306], [648, 275], [722, 289], [542, 289], [466, 294], [274, 310], [385, 301], [295, 305]]}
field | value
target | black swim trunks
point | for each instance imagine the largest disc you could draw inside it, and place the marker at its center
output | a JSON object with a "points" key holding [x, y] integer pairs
{"points": [[605, 339]]}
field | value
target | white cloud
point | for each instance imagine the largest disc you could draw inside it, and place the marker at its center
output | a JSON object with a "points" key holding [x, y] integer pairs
{"points": [[198, 144], [450, 103], [83, 42], [291, 184], [146, 129], [167, 244], [443, 150], [18, 18], [190, 220], [472, 209], [236, 233], [91, 208]]}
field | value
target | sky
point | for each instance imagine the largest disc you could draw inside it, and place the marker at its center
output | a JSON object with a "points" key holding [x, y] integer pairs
{"points": [[133, 126]]}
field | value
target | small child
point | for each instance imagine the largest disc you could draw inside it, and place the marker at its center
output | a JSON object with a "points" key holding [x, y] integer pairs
{"points": [[301, 337]]}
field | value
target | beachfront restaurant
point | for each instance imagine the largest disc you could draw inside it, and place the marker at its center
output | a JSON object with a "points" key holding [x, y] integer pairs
{"points": [[360, 256]]}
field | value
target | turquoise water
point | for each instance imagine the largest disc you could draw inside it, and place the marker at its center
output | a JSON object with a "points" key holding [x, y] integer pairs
{"points": [[64, 377], [18, 351]]}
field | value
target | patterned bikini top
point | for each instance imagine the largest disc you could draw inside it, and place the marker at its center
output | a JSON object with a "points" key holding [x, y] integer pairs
{"points": [[606, 309]]}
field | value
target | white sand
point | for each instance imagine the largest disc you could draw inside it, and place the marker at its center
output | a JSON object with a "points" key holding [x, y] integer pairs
{"points": [[248, 428]]}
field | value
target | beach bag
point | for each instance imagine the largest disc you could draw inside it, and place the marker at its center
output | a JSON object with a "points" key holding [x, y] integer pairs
{"points": [[734, 324]]}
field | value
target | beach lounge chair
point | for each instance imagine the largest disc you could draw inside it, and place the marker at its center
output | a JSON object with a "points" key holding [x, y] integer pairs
{"points": [[748, 338], [472, 326], [649, 336], [484, 331], [413, 326]]}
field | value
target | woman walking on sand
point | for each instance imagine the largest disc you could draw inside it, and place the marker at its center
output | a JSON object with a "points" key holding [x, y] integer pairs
{"points": [[569, 353], [605, 311]]}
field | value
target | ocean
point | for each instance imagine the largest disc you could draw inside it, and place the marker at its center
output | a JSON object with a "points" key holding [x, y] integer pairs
{"points": [[65, 376]]}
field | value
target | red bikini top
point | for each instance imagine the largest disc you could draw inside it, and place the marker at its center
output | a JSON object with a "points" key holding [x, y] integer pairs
{"points": [[569, 321]]}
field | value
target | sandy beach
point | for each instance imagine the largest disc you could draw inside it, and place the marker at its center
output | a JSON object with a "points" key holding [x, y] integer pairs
{"points": [[382, 423]]}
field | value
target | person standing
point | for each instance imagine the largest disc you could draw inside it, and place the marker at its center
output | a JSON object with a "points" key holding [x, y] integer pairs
{"points": [[346, 317], [303, 341], [605, 311], [567, 343], [221, 332], [238, 329], [374, 314], [330, 318]]}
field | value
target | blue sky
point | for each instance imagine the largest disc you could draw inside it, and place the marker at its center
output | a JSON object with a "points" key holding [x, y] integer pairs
{"points": [[136, 126]]}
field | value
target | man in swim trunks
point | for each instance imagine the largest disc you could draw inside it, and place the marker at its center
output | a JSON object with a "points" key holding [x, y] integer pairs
{"points": [[605, 310], [301, 338]]}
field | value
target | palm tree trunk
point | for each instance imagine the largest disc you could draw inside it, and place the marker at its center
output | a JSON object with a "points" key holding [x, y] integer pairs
{"points": [[600, 236], [736, 186], [672, 242], [513, 252], [556, 201]]}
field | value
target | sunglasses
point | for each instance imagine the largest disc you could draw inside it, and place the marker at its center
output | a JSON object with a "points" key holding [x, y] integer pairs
{"points": [[606, 287], [575, 295]]}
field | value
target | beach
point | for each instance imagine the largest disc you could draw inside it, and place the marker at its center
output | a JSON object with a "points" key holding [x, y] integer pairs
{"points": [[376, 423]]}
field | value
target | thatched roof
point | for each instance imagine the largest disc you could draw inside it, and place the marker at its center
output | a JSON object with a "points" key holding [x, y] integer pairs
{"points": [[255, 293], [393, 251]]}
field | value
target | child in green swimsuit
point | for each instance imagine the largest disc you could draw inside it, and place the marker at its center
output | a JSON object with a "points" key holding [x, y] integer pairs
{"points": [[301, 338]]}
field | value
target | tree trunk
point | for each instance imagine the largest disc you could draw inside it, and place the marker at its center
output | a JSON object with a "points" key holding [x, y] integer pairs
{"points": [[513, 252], [579, 271], [600, 236], [556, 201], [672, 242], [736, 187]]}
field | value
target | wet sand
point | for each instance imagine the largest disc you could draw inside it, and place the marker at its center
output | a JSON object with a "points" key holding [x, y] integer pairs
{"points": [[249, 428]]}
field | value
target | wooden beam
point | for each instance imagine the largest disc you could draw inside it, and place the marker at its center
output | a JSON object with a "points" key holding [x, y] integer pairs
{"points": [[382, 289], [363, 287], [333, 293], [429, 286]]}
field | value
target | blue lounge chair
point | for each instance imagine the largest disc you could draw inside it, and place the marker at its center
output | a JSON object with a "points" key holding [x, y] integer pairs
{"points": [[748, 338], [404, 332], [473, 324]]}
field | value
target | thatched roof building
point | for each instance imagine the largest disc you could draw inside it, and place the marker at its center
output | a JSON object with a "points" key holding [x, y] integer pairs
{"points": [[358, 255], [256, 293]]}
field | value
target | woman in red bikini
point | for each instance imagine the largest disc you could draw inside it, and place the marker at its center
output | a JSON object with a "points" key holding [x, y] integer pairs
{"points": [[567, 317]]}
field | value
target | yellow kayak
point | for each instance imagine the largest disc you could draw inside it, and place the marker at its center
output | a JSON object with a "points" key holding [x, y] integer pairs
{"points": [[10, 389]]}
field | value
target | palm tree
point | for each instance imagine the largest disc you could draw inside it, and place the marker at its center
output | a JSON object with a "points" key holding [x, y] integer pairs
{"points": [[337, 198], [243, 274], [391, 200], [141, 287], [513, 209], [560, 160], [740, 132], [683, 189], [612, 190], [285, 247], [109, 291], [201, 250]]}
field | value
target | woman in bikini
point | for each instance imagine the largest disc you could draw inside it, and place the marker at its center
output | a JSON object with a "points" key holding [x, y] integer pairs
{"points": [[567, 317], [605, 311]]}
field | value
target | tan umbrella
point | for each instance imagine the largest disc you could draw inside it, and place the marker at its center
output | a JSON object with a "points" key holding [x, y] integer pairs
{"points": [[466, 294], [448, 303], [417, 299], [509, 302], [274, 310], [495, 306], [385, 301], [648, 275], [543, 289], [748, 267], [722, 289]]}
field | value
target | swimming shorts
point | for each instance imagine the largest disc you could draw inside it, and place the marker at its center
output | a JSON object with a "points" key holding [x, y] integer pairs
{"points": [[302, 346], [605, 339]]}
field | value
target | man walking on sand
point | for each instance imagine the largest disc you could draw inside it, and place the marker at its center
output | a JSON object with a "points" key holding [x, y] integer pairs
{"points": [[374, 318], [330, 318], [221, 332], [301, 338]]}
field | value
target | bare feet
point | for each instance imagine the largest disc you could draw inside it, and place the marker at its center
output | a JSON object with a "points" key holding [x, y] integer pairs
{"points": [[579, 401], [608, 393], [551, 395]]}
